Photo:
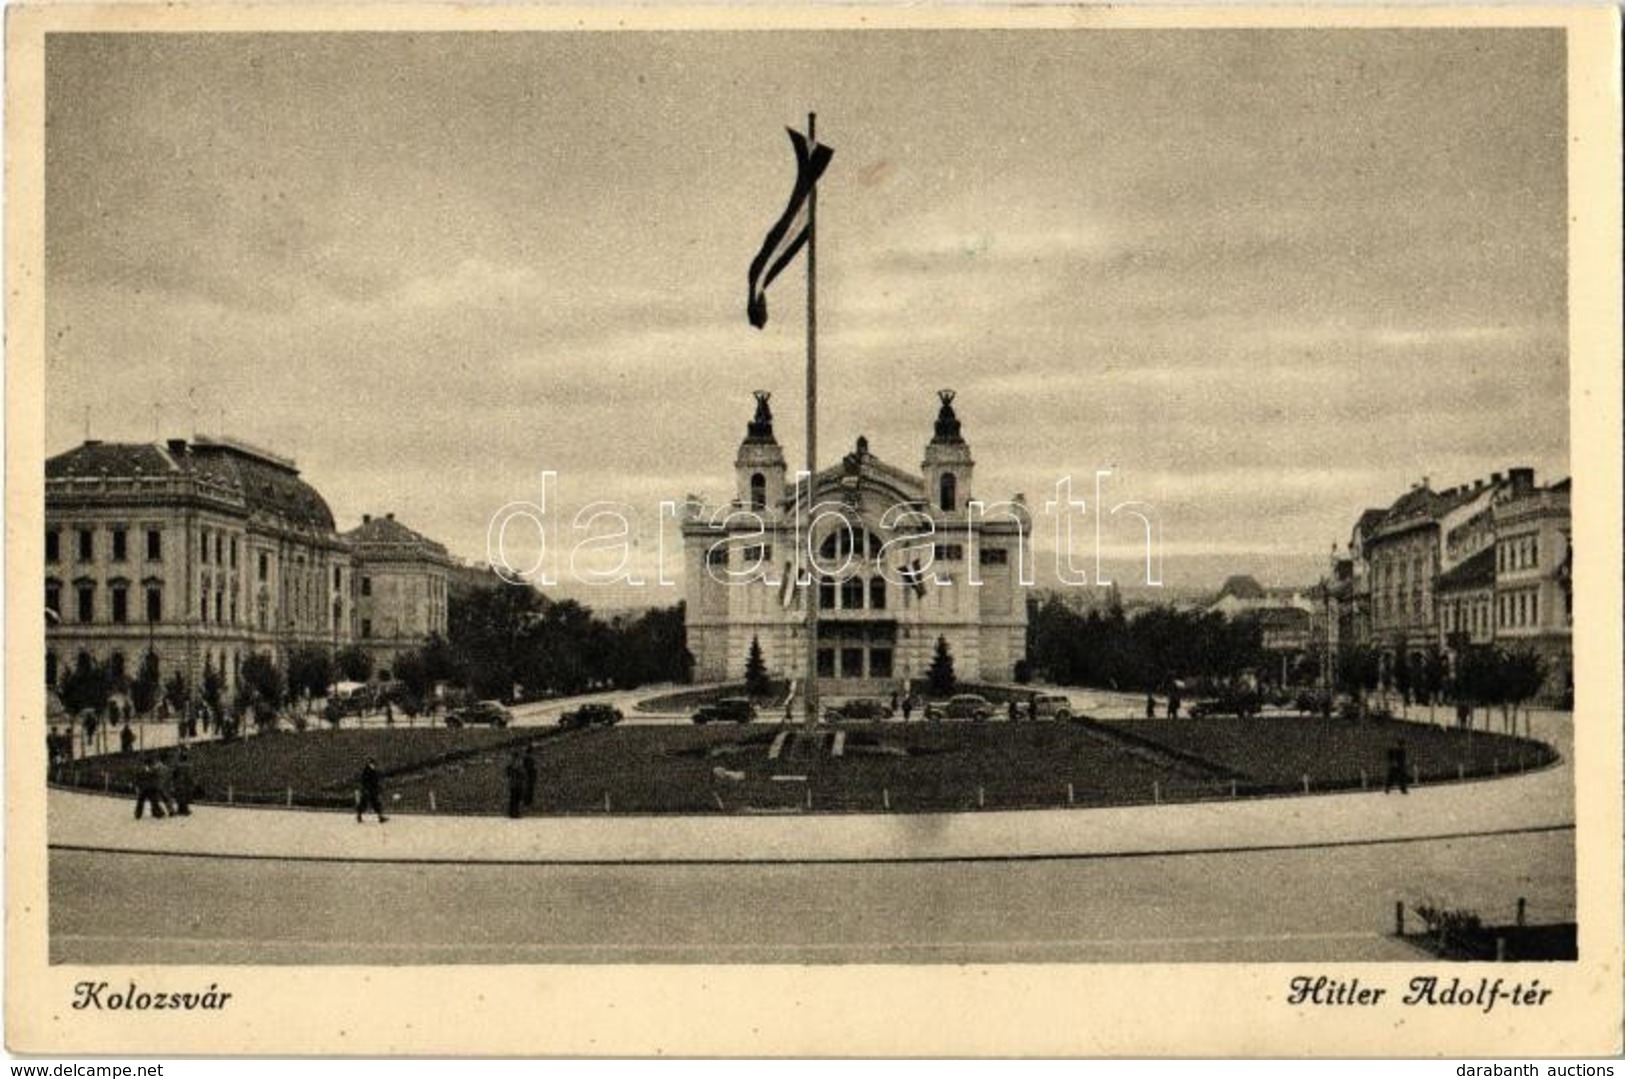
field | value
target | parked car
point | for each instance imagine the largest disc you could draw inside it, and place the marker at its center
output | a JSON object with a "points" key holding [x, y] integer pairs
{"points": [[962, 706], [480, 714], [1051, 706], [1241, 704], [590, 715], [859, 708], [726, 710]]}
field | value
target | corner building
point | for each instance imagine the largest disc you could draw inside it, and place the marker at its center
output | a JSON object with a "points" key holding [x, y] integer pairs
{"points": [[895, 559]]}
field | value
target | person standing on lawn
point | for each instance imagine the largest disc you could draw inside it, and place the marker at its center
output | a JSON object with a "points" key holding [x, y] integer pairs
{"points": [[126, 739], [531, 773], [1150, 706], [368, 793], [1398, 767], [516, 785]]}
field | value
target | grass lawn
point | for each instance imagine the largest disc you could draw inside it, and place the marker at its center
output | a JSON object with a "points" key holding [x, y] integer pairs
{"points": [[901, 767]]}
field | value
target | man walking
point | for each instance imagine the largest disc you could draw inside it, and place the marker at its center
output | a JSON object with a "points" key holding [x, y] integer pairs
{"points": [[180, 774], [367, 792], [146, 790]]}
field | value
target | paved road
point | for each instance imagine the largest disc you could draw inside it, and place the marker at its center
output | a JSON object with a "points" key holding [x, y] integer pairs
{"points": [[1299, 905]]}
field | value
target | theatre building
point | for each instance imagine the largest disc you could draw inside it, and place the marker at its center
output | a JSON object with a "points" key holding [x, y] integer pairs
{"points": [[894, 559]]}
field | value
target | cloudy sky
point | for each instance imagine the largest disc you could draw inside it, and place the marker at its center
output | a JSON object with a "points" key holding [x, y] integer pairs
{"points": [[1267, 277]]}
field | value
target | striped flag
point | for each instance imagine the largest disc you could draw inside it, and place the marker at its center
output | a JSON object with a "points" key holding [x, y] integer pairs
{"points": [[915, 578], [787, 587], [789, 234]]}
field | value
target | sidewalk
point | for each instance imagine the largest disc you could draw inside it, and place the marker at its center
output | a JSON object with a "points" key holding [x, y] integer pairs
{"points": [[1541, 800]]}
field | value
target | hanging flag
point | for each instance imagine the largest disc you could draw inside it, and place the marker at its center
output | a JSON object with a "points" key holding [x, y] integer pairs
{"points": [[915, 578], [787, 587], [789, 234]]}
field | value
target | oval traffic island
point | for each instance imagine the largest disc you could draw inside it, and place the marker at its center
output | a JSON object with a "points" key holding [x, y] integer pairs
{"points": [[882, 767]]}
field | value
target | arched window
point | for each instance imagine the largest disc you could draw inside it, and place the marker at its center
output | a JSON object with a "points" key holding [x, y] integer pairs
{"points": [[852, 594], [877, 593], [758, 491], [948, 492]]}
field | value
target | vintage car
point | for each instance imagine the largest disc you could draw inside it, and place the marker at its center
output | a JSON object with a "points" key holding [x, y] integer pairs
{"points": [[726, 710], [480, 714], [590, 715], [962, 706], [859, 708]]}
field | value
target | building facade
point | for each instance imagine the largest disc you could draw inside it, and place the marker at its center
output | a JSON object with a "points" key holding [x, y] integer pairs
{"points": [[895, 560], [200, 553], [1485, 563], [402, 584]]}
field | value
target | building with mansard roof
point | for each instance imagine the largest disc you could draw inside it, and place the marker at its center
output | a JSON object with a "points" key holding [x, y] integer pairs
{"points": [[201, 553], [895, 560]]}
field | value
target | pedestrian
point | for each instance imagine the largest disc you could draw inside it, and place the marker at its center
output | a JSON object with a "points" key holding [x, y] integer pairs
{"points": [[1397, 769], [147, 792], [1032, 708], [389, 714], [367, 792], [1464, 713], [516, 784], [893, 702], [530, 775], [1015, 710], [1173, 706], [908, 706], [126, 739], [180, 775], [1150, 706], [166, 784]]}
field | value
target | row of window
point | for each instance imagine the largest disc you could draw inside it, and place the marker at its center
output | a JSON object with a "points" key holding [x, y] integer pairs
{"points": [[947, 492], [84, 608], [119, 544], [1518, 609], [762, 554], [1519, 552]]}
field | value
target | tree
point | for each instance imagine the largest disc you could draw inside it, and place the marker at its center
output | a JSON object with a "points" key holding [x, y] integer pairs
{"points": [[755, 670], [214, 684], [353, 663], [939, 679], [175, 691], [1523, 675], [264, 686], [87, 685], [144, 691], [310, 670]]}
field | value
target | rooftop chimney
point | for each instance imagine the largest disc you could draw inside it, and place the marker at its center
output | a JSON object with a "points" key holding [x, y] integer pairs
{"points": [[1495, 478], [1522, 478], [177, 445], [389, 516], [366, 518]]}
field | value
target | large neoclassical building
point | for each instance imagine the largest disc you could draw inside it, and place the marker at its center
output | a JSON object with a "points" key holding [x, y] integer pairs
{"points": [[895, 559]]}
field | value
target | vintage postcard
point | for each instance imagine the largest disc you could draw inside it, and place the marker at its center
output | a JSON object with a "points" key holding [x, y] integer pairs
{"points": [[813, 531]]}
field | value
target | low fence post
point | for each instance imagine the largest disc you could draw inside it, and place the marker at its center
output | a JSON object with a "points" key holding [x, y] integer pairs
{"points": [[981, 797], [1306, 783], [606, 801], [1399, 918], [1523, 909], [1233, 788], [290, 796], [809, 796], [1156, 791], [107, 782], [1365, 780], [1416, 776], [432, 806], [885, 799], [1461, 770], [231, 794], [1071, 795], [1500, 949]]}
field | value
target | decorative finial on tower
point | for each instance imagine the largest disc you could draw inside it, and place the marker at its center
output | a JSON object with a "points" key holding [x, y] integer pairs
{"points": [[947, 423], [760, 428]]}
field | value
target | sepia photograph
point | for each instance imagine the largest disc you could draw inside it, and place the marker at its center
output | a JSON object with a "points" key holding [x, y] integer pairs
{"points": [[815, 502]]}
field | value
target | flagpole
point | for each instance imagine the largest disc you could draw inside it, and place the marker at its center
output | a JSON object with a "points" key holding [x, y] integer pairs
{"points": [[813, 591]]}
